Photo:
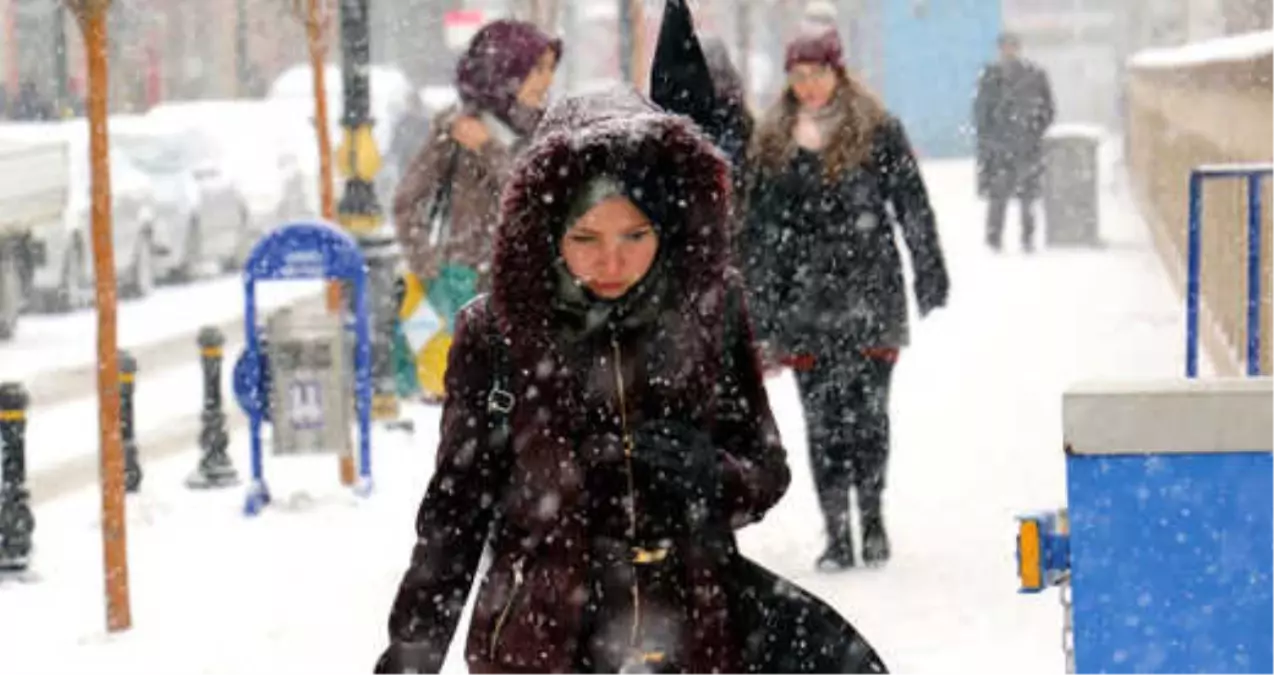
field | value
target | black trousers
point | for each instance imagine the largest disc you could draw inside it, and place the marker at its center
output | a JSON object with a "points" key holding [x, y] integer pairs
{"points": [[846, 405], [995, 215]]}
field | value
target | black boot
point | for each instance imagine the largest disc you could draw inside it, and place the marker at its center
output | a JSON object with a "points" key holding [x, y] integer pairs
{"points": [[875, 540], [839, 554]]}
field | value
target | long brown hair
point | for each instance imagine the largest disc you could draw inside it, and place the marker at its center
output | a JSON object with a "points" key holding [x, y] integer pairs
{"points": [[850, 145]]}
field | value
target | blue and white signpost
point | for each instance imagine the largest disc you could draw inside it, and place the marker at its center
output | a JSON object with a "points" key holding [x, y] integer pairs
{"points": [[302, 250]]}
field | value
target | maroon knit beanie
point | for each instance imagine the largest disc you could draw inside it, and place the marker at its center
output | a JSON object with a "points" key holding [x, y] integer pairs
{"points": [[499, 58], [821, 48]]}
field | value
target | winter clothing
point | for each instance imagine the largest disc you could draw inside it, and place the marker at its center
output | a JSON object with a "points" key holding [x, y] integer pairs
{"points": [[828, 288], [666, 371], [1012, 110], [822, 47], [461, 235], [696, 78], [499, 58], [822, 263], [846, 403]]}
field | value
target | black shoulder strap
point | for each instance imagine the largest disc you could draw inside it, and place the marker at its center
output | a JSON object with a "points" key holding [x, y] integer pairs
{"points": [[500, 399]]}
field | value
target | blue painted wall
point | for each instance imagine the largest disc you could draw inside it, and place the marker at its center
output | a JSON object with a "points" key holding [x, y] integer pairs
{"points": [[932, 52]]}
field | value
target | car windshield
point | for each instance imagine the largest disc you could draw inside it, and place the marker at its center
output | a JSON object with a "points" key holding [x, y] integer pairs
{"points": [[161, 154]]}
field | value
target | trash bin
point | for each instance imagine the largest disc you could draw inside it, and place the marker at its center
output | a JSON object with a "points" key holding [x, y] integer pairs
{"points": [[1071, 185], [311, 398]]}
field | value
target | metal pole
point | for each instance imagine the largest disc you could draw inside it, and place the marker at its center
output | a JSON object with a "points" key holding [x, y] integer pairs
{"points": [[625, 41], [1193, 264], [92, 18], [360, 210], [61, 70], [241, 47], [1254, 275]]}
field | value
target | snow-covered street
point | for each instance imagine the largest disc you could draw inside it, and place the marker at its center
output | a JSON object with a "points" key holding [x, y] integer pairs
{"points": [[306, 586]]}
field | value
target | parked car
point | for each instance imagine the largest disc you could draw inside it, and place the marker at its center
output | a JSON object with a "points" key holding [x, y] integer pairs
{"points": [[34, 180], [253, 143], [203, 216], [61, 263]]}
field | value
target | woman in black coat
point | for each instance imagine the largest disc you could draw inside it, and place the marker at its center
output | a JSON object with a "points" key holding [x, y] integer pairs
{"points": [[830, 174]]}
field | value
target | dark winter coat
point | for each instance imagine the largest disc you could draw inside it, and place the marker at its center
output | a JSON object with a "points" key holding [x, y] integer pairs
{"points": [[696, 78], [548, 483], [1012, 110], [820, 254]]}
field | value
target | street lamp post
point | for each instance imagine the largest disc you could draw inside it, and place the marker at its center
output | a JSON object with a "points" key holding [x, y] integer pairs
{"points": [[359, 211]]}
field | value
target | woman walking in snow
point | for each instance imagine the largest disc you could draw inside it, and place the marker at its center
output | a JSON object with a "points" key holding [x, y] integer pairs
{"points": [[831, 173], [606, 429], [447, 203]]}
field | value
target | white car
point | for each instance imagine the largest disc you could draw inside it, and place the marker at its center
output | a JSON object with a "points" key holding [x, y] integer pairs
{"points": [[62, 257], [255, 145], [202, 216]]}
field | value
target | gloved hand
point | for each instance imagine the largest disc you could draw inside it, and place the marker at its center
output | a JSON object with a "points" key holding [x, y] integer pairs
{"points": [[677, 469], [931, 291]]}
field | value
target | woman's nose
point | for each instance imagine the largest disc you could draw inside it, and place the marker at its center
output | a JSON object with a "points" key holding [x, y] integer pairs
{"points": [[612, 263]]}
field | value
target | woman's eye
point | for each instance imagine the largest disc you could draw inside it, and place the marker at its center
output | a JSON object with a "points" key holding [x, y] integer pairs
{"points": [[637, 236], [583, 238]]}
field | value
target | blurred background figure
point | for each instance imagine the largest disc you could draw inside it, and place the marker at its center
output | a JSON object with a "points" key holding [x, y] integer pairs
{"points": [[1012, 110]]}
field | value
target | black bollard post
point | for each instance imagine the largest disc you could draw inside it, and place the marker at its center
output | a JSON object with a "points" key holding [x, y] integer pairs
{"points": [[215, 469], [17, 522], [127, 385]]}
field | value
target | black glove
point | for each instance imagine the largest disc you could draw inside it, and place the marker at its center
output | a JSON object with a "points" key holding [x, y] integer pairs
{"points": [[676, 469], [932, 287]]}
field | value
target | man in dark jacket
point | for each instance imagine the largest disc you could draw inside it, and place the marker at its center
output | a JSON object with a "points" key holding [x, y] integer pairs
{"points": [[1014, 106]]}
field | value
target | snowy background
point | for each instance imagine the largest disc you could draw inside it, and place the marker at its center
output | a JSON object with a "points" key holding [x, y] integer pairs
{"points": [[306, 586]]}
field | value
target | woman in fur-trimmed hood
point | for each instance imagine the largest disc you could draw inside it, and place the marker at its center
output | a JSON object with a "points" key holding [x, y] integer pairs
{"points": [[615, 351]]}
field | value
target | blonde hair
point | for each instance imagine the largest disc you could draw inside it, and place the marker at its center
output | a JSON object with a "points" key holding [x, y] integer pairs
{"points": [[860, 110]]}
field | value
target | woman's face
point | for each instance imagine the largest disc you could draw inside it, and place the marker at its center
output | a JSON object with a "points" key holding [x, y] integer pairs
{"points": [[535, 87], [813, 84], [610, 248]]}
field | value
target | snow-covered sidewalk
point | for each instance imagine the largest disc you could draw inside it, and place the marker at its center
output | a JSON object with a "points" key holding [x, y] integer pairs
{"points": [[977, 439]]}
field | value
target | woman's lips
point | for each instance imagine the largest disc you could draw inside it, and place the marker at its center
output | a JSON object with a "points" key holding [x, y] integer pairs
{"points": [[604, 287]]}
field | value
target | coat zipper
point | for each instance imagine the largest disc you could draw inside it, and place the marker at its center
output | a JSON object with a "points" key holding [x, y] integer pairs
{"points": [[635, 636], [518, 579]]}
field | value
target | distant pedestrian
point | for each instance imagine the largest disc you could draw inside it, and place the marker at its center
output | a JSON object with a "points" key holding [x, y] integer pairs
{"points": [[1012, 110]]}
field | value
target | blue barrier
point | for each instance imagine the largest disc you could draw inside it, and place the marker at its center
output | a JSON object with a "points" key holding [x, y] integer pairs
{"points": [[1252, 174], [303, 250]]}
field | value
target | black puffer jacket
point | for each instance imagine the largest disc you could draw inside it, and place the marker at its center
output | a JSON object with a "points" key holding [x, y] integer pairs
{"points": [[821, 257]]}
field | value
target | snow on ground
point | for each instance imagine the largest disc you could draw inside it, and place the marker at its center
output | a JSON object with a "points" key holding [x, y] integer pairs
{"points": [[47, 342], [306, 587]]}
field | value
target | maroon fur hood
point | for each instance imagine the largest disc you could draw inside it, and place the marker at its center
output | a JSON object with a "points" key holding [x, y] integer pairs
{"points": [[621, 134]]}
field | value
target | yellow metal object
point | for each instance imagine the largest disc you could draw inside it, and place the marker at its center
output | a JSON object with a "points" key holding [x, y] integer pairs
{"points": [[648, 556], [210, 352], [431, 364], [126, 378], [360, 223], [413, 296], [385, 407], [12, 415], [1028, 545], [358, 157]]}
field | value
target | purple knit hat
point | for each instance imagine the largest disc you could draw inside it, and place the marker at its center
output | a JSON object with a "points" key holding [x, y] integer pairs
{"points": [[498, 60], [821, 48]]}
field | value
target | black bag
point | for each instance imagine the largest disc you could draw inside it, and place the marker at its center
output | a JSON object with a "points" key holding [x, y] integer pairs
{"points": [[786, 629]]}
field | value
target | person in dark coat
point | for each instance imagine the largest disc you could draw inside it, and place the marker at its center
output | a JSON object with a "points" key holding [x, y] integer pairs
{"points": [[696, 78], [1012, 110], [832, 174], [638, 437]]}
